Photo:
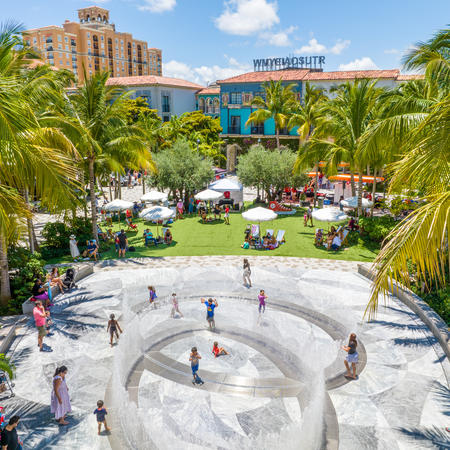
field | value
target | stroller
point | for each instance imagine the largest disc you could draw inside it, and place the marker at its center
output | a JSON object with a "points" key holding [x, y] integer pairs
{"points": [[69, 279]]}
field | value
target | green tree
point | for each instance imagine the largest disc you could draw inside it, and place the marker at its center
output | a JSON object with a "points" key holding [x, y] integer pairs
{"points": [[182, 169], [136, 108], [100, 132], [421, 240], [278, 104], [268, 169], [305, 117]]}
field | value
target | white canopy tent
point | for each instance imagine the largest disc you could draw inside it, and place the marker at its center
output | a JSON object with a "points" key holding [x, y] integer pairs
{"points": [[118, 205], [232, 186], [329, 215], [259, 215]]}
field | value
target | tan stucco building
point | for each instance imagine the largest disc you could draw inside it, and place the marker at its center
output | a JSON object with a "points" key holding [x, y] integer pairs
{"points": [[94, 43]]}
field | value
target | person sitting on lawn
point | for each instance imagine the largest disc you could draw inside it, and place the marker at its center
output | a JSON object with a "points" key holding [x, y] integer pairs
{"points": [[217, 211], [318, 240], [130, 223], [110, 236], [330, 237], [91, 250], [148, 236], [205, 218], [101, 234], [272, 243], [168, 237]]}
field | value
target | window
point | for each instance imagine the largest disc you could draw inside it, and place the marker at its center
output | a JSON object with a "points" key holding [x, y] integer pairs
{"points": [[59, 38], [117, 40], [102, 45], [121, 42], [165, 103], [59, 46], [89, 42], [236, 98], [101, 37], [67, 48], [235, 125], [88, 35], [166, 118]]}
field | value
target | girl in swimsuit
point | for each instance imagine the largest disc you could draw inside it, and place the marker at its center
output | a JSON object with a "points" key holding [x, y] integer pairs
{"points": [[262, 301], [113, 326]]}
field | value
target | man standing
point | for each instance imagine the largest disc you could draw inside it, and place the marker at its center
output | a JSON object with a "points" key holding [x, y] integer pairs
{"points": [[40, 315], [210, 306], [227, 215], [10, 440], [123, 243]]}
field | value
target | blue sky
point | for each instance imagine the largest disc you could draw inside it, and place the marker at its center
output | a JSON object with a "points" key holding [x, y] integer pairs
{"points": [[205, 40]]}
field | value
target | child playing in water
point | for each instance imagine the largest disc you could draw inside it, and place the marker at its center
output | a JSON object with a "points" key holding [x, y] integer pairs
{"points": [[113, 326], [262, 297], [101, 412], [194, 359], [175, 307], [151, 294], [218, 351]]}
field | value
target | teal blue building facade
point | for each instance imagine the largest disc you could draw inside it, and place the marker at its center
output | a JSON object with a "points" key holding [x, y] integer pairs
{"points": [[235, 109]]}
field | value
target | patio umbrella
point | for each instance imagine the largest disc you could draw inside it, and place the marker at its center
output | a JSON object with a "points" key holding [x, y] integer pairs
{"points": [[259, 215], [352, 202], [329, 215], [208, 194], [157, 214], [154, 196], [118, 205]]}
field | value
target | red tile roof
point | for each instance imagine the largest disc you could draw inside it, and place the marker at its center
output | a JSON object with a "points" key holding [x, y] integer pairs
{"points": [[146, 80], [409, 77], [308, 75], [258, 77], [209, 91], [352, 75]]}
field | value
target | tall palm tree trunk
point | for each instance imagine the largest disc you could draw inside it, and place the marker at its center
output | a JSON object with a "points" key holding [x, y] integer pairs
{"points": [[5, 289], [143, 183], [277, 132], [317, 183], [374, 190], [110, 191], [352, 182], [360, 183], [92, 196], [31, 237]]}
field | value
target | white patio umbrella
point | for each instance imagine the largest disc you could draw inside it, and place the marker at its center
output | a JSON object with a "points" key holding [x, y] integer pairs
{"points": [[118, 205], [157, 214], [329, 215], [259, 215], [154, 196], [352, 202], [208, 194]]}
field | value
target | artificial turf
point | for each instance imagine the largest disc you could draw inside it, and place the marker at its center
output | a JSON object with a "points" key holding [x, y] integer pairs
{"points": [[191, 237]]}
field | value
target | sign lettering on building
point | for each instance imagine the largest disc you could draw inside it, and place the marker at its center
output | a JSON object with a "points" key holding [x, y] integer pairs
{"points": [[292, 62]]}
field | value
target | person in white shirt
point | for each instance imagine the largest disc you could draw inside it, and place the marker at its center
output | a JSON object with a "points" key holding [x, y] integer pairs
{"points": [[175, 307], [337, 241]]}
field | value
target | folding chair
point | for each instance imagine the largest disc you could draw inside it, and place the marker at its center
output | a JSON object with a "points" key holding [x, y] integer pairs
{"points": [[280, 236]]}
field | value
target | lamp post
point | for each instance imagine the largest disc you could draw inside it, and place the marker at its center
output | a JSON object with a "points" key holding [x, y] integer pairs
{"points": [[198, 142]]}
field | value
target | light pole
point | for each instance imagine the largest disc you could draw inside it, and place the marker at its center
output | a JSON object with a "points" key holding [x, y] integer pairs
{"points": [[198, 142]]}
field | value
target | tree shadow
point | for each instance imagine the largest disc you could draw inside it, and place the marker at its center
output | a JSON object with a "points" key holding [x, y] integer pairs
{"points": [[438, 436], [396, 325], [417, 342]]}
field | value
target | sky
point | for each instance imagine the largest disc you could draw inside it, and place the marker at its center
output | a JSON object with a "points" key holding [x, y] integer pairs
{"points": [[206, 40]]}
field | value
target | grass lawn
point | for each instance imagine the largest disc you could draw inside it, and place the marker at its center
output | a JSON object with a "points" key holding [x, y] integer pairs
{"points": [[193, 238]]}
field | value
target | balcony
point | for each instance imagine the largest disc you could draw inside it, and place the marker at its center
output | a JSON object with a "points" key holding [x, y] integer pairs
{"points": [[49, 48], [257, 129], [49, 41], [73, 43], [234, 130]]}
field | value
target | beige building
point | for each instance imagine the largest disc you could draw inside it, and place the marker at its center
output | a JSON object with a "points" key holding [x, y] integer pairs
{"points": [[94, 43]]}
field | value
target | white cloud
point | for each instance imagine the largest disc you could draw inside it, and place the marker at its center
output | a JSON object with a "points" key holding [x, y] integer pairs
{"points": [[392, 51], [204, 74], [315, 47], [340, 45], [364, 63], [246, 17], [279, 39], [158, 6]]}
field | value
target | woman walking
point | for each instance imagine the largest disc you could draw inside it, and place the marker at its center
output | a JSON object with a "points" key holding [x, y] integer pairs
{"points": [[75, 253], [352, 356], [247, 273], [60, 401]]}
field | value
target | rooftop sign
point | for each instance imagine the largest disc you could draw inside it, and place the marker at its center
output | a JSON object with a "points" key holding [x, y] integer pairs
{"points": [[293, 62]]}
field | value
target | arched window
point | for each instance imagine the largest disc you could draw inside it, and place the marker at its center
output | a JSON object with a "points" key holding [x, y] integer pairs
{"points": [[88, 18], [104, 19], [99, 18], [208, 105], [130, 64], [216, 105], [201, 104]]}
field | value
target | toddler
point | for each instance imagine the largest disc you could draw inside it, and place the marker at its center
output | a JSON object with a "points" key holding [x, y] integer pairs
{"points": [[101, 412], [113, 326]]}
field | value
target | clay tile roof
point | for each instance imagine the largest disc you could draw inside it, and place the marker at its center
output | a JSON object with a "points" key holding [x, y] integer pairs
{"points": [[146, 80], [258, 77], [352, 75], [402, 77], [209, 91], [37, 62]]}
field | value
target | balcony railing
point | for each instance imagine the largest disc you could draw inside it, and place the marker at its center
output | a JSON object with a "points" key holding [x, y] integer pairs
{"points": [[234, 130], [257, 129]]}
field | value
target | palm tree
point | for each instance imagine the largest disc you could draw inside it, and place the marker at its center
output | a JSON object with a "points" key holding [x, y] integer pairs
{"points": [[32, 156], [421, 240], [344, 121], [99, 131], [278, 104], [305, 117]]}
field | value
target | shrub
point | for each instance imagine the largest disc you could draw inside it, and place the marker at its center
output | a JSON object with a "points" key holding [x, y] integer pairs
{"points": [[25, 267], [377, 228]]}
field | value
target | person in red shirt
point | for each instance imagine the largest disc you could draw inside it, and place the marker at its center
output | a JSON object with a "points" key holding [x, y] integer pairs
{"points": [[227, 215], [218, 351]]}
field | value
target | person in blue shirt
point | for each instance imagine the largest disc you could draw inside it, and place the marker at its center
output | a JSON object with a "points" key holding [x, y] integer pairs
{"points": [[101, 412], [210, 306]]}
